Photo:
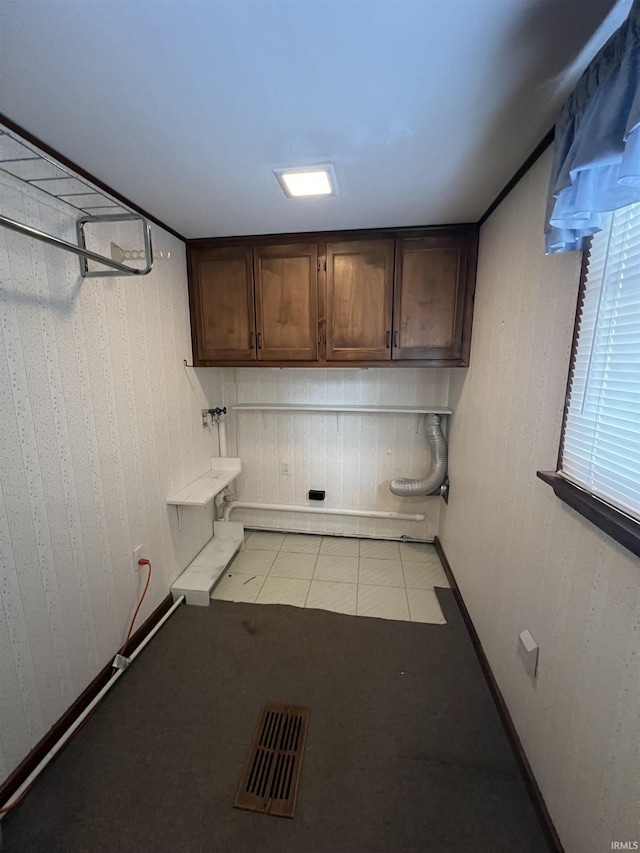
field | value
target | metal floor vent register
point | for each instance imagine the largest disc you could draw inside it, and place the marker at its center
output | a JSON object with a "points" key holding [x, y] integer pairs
{"points": [[271, 774]]}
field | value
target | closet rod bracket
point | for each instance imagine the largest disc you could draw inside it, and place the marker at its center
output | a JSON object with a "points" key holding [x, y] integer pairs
{"points": [[117, 268], [81, 250]]}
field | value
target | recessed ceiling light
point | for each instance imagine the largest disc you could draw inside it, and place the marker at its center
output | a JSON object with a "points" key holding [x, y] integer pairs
{"points": [[317, 180]]}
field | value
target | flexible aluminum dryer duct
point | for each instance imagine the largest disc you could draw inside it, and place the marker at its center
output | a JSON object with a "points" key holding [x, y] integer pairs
{"points": [[435, 477]]}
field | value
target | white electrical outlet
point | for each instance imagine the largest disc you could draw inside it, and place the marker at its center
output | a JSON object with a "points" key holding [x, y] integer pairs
{"points": [[285, 468], [137, 554], [528, 651]]}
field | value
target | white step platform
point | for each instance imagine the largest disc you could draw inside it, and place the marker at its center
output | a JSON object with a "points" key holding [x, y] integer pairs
{"points": [[203, 490], [202, 573]]}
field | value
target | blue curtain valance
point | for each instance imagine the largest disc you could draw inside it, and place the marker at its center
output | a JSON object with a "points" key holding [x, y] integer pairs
{"points": [[597, 142]]}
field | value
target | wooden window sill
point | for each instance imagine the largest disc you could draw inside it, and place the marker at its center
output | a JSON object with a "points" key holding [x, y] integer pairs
{"points": [[614, 523]]}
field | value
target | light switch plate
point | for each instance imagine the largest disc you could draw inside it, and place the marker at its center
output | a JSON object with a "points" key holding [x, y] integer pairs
{"points": [[528, 651]]}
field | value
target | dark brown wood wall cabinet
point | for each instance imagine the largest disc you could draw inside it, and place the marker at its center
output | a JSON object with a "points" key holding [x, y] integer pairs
{"points": [[430, 274], [222, 312], [359, 300], [286, 281], [383, 298]]}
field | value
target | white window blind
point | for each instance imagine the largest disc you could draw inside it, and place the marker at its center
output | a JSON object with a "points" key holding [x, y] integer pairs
{"points": [[601, 440]]}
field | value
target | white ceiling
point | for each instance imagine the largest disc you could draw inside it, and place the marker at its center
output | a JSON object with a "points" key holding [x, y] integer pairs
{"points": [[425, 108]]}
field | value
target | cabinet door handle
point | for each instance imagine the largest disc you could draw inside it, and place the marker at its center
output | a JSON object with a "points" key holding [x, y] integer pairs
{"points": [[395, 338], [388, 339], [259, 340], [250, 340]]}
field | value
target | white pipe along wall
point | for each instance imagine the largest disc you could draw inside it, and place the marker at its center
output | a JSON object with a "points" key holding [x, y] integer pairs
{"points": [[353, 456], [89, 709], [313, 510], [222, 437]]}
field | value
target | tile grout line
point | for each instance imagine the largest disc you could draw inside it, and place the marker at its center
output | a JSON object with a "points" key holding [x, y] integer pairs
{"points": [[406, 595], [311, 580]]}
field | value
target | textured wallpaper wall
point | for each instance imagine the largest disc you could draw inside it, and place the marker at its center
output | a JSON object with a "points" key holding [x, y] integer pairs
{"points": [[522, 558], [352, 456], [99, 420]]}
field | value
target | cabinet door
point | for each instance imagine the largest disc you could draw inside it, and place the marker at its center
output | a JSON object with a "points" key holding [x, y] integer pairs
{"points": [[286, 280], [359, 300], [429, 297], [222, 302]]}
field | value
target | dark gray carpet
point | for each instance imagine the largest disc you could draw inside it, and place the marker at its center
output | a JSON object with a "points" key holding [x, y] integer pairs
{"points": [[405, 750]]}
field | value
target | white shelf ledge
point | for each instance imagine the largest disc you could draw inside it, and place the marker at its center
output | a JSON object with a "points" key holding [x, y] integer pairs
{"points": [[203, 490], [339, 407]]}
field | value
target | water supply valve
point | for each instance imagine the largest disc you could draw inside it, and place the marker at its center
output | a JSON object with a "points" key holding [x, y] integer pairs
{"points": [[215, 415]]}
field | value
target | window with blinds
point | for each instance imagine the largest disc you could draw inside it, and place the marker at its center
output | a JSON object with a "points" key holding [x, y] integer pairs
{"points": [[600, 448]]}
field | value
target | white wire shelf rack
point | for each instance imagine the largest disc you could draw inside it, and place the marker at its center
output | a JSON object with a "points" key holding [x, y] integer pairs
{"points": [[27, 163]]}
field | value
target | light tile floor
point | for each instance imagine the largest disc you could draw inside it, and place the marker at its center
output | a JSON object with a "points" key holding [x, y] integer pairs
{"points": [[359, 577]]}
